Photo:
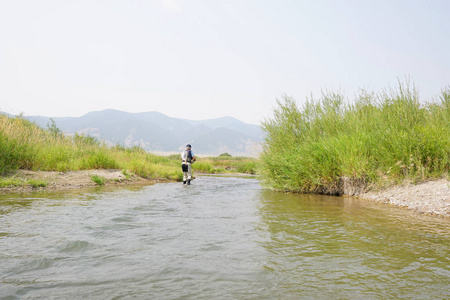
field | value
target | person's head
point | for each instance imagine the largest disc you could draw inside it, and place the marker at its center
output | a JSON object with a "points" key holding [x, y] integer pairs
{"points": [[188, 146]]}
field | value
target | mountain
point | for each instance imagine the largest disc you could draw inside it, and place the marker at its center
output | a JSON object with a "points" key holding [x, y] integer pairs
{"points": [[156, 132]]}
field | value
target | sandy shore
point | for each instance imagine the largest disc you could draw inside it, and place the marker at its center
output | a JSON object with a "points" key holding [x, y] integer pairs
{"points": [[432, 197], [76, 179]]}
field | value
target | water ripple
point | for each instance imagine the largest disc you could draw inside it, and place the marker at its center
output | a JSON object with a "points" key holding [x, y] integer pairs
{"points": [[220, 238]]}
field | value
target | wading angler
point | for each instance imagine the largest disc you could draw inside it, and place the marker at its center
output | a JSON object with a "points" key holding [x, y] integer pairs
{"points": [[188, 159]]}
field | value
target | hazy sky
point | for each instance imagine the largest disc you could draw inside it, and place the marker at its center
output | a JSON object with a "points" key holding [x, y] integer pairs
{"points": [[198, 59]]}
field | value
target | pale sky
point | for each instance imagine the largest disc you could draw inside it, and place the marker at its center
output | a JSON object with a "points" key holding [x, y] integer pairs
{"points": [[205, 59]]}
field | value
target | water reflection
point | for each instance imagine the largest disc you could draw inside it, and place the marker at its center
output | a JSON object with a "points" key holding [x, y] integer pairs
{"points": [[338, 246], [11, 202]]}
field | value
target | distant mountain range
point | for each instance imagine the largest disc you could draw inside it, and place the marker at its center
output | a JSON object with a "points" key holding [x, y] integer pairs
{"points": [[159, 133]]}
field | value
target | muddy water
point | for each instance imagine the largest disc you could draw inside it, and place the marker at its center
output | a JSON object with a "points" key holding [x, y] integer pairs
{"points": [[220, 238]]}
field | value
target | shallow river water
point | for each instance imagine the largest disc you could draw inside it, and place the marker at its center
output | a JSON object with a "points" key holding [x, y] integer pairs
{"points": [[220, 238]]}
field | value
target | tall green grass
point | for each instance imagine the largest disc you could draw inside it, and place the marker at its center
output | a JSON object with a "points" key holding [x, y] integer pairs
{"points": [[24, 145], [377, 138]]}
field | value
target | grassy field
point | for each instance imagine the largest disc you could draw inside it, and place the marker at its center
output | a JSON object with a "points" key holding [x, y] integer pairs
{"points": [[375, 140], [24, 145], [224, 164]]}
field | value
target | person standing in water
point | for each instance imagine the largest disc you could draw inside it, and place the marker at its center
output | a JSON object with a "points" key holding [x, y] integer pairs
{"points": [[188, 158]]}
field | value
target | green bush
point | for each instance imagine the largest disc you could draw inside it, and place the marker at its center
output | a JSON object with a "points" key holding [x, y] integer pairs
{"points": [[225, 154]]}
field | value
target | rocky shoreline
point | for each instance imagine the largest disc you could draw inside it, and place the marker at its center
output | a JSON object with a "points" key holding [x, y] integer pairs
{"points": [[431, 197]]}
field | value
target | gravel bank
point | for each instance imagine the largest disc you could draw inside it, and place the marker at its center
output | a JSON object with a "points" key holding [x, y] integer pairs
{"points": [[76, 179], [432, 197]]}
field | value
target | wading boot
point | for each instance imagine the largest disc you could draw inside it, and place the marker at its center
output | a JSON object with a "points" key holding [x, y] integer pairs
{"points": [[189, 182], [184, 182]]}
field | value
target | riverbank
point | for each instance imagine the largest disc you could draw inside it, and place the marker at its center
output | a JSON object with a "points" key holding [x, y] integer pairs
{"points": [[74, 179], [331, 143], [431, 197]]}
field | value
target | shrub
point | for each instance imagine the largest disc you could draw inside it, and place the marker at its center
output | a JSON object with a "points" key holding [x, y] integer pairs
{"points": [[53, 129]]}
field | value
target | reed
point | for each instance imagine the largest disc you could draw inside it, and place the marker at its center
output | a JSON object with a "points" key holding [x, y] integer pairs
{"points": [[378, 138]]}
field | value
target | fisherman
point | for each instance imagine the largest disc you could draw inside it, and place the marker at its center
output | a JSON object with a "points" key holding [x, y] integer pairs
{"points": [[188, 158]]}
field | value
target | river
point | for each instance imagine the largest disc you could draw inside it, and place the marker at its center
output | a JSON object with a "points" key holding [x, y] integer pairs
{"points": [[219, 238]]}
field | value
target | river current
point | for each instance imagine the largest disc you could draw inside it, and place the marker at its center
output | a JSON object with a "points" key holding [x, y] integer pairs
{"points": [[219, 238]]}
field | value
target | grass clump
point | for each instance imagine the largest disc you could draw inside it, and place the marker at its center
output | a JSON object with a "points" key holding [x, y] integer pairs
{"points": [[37, 183], [328, 143], [9, 182], [99, 180]]}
